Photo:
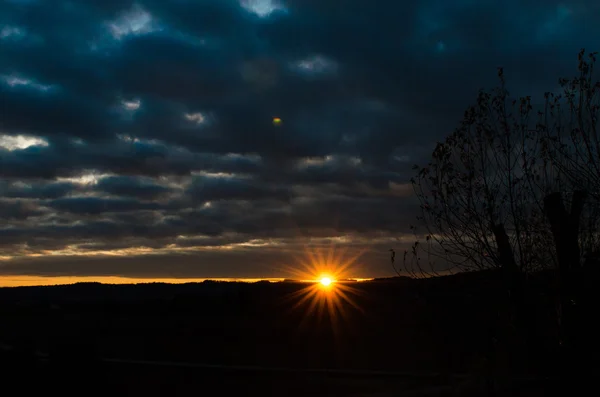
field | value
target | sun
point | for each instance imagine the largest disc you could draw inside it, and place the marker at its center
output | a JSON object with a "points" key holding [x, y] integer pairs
{"points": [[327, 292]]}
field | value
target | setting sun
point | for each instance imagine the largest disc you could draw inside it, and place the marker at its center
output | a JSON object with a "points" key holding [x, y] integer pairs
{"points": [[329, 293], [325, 281]]}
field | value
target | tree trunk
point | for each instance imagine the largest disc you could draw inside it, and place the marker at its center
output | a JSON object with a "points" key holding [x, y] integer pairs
{"points": [[514, 281], [565, 230]]}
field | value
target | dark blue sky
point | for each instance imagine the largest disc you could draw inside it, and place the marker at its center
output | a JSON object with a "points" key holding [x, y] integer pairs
{"points": [[136, 138]]}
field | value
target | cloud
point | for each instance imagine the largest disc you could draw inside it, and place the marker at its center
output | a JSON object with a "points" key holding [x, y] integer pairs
{"points": [[136, 187], [37, 191], [137, 137], [18, 209]]}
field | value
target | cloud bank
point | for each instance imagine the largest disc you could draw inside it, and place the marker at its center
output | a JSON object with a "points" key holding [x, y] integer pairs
{"points": [[136, 138]]}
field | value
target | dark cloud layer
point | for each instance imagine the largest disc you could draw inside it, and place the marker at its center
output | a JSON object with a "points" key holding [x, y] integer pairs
{"points": [[136, 137]]}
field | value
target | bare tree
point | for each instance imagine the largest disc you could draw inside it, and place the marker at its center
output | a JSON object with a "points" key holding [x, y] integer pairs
{"points": [[569, 126], [494, 184], [569, 122], [481, 195], [508, 190]]}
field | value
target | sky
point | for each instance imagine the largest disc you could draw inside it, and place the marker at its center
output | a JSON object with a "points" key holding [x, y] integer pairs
{"points": [[137, 138]]}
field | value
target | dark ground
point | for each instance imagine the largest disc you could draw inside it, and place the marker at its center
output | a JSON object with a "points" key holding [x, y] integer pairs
{"points": [[436, 325]]}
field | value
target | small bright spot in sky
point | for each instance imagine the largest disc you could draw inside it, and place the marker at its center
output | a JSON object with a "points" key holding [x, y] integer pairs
{"points": [[197, 117], [20, 142], [440, 46], [262, 8], [133, 22], [132, 105]]}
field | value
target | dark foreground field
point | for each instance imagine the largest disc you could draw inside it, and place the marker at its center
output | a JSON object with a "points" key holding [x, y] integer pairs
{"points": [[425, 327]]}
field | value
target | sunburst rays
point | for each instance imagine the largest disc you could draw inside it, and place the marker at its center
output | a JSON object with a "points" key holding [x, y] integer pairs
{"points": [[329, 293]]}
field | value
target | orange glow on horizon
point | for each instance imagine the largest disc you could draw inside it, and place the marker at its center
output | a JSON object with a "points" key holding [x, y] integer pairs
{"points": [[31, 281]]}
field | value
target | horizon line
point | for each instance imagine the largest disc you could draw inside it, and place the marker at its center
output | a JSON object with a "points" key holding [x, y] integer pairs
{"points": [[7, 281]]}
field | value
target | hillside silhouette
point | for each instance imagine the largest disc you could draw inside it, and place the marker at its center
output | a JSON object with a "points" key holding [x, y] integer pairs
{"points": [[437, 325]]}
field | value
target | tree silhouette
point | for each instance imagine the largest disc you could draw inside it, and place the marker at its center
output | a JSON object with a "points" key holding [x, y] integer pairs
{"points": [[570, 123], [482, 194], [508, 190]]}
